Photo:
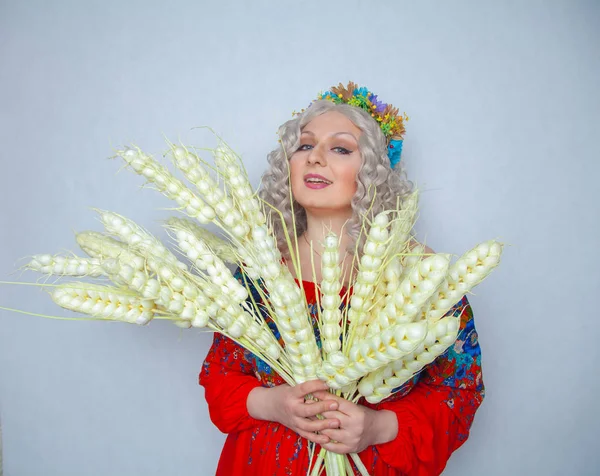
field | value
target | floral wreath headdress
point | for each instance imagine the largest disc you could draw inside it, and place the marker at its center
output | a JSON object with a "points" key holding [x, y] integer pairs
{"points": [[387, 116]]}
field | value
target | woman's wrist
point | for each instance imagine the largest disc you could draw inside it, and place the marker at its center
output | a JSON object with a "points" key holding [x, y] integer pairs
{"points": [[384, 428], [257, 403]]}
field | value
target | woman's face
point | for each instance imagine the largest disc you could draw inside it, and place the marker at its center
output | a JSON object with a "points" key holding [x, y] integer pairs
{"points": [[324, 168]]}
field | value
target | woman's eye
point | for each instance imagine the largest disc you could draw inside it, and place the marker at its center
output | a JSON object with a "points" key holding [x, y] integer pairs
{"points": [[305, 147], [342, 150]]}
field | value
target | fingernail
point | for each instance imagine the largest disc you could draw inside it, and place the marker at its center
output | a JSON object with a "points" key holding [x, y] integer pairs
{"points": [[333, 406], [333, 424]]}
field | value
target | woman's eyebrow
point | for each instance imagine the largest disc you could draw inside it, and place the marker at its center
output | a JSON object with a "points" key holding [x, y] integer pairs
{"points": [[345, 133], [333, 135]]}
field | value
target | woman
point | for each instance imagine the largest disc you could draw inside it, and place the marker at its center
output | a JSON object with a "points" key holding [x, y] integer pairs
{"points": [[339, 156]]}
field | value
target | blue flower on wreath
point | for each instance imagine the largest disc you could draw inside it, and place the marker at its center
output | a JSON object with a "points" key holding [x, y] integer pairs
{"points": [[361, 92], [394, 151]]}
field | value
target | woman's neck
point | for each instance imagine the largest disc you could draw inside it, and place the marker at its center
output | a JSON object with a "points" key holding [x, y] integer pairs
{"points": [[319, 225]]}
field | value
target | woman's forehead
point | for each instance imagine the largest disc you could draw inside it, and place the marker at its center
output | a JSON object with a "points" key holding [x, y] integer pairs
{"points": [[331, 123]]}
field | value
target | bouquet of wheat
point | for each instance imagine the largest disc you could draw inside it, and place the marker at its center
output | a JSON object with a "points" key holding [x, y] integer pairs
{"points": [[393, 327]]}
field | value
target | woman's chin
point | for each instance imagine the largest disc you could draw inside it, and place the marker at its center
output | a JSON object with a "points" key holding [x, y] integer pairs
{"points": [[323, 203]]}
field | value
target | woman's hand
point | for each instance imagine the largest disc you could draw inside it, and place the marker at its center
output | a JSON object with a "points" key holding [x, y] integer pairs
{"points": [[287, 405], [360, 426]]}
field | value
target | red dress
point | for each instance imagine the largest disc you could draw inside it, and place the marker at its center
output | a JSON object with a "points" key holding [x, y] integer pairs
{"points": [[435, 410]]}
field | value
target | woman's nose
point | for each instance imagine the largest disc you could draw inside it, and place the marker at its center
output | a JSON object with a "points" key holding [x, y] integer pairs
{"points": [[317, 156]]}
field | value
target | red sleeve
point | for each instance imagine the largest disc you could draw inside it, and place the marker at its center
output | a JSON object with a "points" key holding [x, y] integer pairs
{"points": [[435, 417], [227, 378]]}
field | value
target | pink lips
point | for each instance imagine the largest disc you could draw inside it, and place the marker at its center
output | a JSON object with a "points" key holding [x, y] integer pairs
{"points": [[316, 185]]}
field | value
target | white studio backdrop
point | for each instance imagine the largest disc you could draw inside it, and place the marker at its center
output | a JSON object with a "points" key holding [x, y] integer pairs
{"points": [[504, 112]]}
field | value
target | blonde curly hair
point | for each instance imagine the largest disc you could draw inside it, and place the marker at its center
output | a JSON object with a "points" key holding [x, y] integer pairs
{"points": [[378, 185]]}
